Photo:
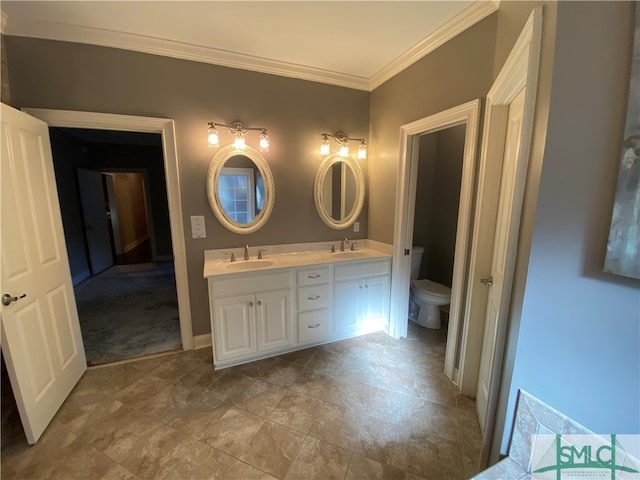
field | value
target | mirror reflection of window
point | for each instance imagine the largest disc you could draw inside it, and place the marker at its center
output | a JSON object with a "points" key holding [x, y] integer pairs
{"points": [[237, 193]]}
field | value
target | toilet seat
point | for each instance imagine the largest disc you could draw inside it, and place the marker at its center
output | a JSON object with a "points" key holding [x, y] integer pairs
{"points": [[432, 289]]}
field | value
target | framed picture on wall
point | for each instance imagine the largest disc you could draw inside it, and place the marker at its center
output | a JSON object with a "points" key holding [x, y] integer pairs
{"points": [[623, 247]]}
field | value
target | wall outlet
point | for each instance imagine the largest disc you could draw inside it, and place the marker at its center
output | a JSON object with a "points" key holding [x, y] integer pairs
{"points": [[197, 226], [356, 227]]}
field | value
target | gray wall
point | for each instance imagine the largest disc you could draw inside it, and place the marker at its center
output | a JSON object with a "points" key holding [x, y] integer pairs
{"points": [[69, 152], [437, 201], [578, 346], [443, 220], [60, 75], [459, 71]]}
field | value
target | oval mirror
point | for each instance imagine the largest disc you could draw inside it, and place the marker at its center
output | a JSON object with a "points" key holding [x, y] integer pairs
{"points": [[240, 189], [339, 191]]}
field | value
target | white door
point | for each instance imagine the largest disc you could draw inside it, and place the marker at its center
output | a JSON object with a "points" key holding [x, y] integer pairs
{"points": [[41, 339], [96, 224], [496, 305]]}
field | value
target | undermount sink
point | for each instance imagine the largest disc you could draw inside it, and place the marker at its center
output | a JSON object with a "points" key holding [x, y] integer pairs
{"points": [[350, 254], [248, 264]]}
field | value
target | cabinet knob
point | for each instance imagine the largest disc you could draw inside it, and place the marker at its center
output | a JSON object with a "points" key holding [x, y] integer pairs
{"points": [[259, 302], [360, 287], [366, 285], [251, 304]]}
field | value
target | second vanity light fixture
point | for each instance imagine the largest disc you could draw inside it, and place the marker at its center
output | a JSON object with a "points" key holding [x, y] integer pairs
{"points": [[343, 140], [239, 130]]}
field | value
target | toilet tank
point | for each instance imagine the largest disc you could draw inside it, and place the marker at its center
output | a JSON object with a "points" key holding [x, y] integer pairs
{"points": [[416, 260]]}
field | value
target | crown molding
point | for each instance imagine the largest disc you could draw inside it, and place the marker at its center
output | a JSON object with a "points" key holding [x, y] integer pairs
{"points": [[3, 22], [168, 48], [185, 51], [458, 24]]}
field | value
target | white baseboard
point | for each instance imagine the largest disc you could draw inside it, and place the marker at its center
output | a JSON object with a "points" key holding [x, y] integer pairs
{"points": [[76, 279], [202, 341]]}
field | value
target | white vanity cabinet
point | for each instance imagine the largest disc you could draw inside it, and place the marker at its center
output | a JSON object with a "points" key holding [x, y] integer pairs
{"points": [[314, 304], [250, 316], [361, 297], [266, 307]]}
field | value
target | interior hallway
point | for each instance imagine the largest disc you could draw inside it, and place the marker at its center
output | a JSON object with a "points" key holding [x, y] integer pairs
{"points": [[128, 311], [365, 408]]}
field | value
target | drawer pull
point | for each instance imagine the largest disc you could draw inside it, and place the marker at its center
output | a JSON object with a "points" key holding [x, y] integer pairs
{"points": [[313, 326], [315, 275], [315, 297]]}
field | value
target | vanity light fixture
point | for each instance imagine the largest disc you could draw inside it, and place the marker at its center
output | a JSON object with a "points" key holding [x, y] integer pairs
{"points": [[341, 139], [239, 130]]}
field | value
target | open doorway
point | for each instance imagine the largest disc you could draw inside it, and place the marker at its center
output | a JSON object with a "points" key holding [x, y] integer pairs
{"points": [[459, 123], [440, 158], [115, 214]]}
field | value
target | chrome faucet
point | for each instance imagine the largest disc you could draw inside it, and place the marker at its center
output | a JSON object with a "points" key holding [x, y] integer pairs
{"points": [[344, 241], [246, 252]]}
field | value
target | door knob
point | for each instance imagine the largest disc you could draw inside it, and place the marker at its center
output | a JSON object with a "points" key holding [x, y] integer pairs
{"points": [[487, 281], [8, 299]]}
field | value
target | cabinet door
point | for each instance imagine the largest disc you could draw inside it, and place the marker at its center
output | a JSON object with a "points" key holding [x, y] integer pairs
{"points": [[234, 327], [274, 319], [375, 304], [347, 302]]}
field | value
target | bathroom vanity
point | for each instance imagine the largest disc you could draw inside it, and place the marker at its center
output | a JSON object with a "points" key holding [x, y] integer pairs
{"points": [[295, 297]]}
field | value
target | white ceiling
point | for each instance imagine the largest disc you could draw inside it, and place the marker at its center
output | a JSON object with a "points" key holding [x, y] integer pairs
{"points": [[358, 44]]}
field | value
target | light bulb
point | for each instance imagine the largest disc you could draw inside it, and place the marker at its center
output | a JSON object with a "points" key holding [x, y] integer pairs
{"points": [[239, 142], [344, 150], [362, 151], [212, 136], [325, 148], [264, 141]]}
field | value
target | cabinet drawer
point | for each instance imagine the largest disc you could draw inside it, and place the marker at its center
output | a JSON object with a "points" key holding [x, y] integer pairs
{"points": [[313, 296], [314, 325], [310, 276], [360, 269]]}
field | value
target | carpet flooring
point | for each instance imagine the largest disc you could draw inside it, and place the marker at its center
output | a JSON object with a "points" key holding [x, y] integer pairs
{"points": [[129, 311]]}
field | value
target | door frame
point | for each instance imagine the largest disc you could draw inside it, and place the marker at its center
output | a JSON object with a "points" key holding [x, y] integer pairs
{"points": [[519, 71], [166, 128], [466, 114]]}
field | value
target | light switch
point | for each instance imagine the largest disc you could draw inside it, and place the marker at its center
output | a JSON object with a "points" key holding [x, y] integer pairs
{"points": [[197, 227], [356, 226]]}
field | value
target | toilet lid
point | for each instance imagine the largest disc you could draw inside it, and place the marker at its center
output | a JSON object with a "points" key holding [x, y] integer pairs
{"points": [[432, 288]]}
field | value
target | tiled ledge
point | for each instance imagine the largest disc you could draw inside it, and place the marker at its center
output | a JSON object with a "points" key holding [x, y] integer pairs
{"points": [[532, 417]]}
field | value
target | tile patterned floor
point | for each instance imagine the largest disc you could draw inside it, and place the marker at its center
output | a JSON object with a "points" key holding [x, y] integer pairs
{"points": [[365, 408]]}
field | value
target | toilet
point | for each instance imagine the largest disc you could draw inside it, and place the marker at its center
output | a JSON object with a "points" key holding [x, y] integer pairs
{"points": [[426, 296]]}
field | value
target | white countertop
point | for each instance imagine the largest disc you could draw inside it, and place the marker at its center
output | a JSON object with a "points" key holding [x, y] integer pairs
{"points": [[215, 267]]}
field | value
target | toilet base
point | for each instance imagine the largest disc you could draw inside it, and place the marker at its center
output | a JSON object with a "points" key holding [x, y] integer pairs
{"points": [[429, 316]]}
